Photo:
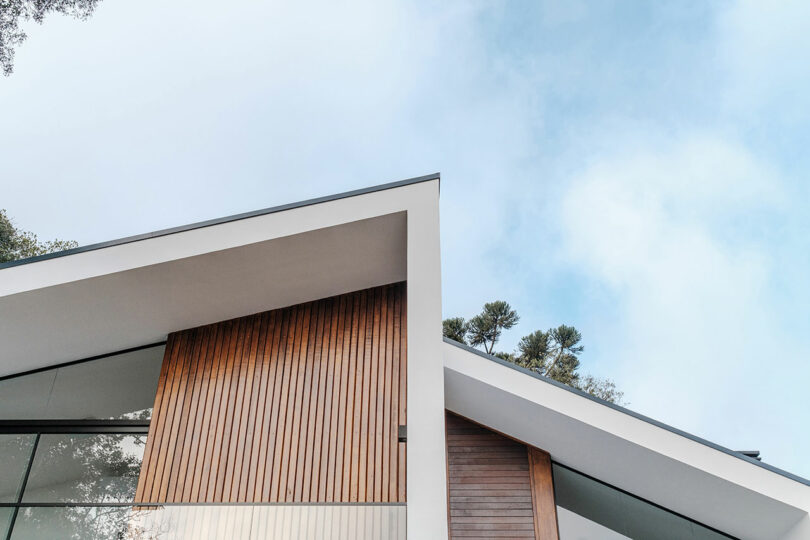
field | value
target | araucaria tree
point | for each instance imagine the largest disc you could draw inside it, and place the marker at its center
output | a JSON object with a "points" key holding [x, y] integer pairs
{"points": [[18, 244], [553, 353], [486, 327]]}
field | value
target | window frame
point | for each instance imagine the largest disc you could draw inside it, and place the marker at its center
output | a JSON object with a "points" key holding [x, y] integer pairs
{"points": [[41, 427]]}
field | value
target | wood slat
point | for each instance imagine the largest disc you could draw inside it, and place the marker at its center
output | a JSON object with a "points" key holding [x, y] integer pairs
{"points": [[299, 404], [264, 385], [402, 362]]}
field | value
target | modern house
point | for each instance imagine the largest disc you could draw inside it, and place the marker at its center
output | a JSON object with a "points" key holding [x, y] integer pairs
{"points": [[282, 374]]}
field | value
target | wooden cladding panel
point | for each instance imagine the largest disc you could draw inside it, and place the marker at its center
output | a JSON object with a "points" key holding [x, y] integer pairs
{"points": [[545, 508], [300, 404], [498, 487]]}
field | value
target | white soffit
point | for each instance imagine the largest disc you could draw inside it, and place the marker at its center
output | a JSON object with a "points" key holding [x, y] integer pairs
{"points": [[136, 291], [677, 472]]}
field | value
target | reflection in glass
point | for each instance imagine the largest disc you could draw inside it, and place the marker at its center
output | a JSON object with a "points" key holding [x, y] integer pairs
{"points": [[590, 510], [15, 451], [79, 523], [5, 521], [26, 396], [99, 468], [201, 522], [122, 386]]}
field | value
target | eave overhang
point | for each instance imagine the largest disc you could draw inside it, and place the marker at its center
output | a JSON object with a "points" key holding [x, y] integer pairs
{"points": [[688, 475], [133, 291]]}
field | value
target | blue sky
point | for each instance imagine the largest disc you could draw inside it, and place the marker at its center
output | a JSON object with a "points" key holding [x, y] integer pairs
{"points": [[636, 169]]}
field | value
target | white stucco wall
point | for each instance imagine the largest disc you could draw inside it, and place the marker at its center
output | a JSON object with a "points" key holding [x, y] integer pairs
{"points": [[427, 488]]}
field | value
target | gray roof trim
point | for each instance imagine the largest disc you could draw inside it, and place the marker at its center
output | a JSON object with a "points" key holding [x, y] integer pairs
{"points": [[219, 221], [621, 409]]}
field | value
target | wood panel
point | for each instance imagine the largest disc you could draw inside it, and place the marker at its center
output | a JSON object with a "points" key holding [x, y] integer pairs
{"points": [[498, 487], [300, 404], [545, 508]]}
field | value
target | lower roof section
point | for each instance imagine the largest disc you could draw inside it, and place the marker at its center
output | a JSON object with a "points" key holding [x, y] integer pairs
{"points": [[683, 474]]}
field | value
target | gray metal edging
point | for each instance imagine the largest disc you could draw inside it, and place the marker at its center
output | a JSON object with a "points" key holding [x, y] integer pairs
{"points": [[621, 409], [219, 221]]}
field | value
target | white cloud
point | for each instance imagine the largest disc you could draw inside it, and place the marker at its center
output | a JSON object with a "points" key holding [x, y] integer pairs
{"points": [[763, 47], [697, 328]]}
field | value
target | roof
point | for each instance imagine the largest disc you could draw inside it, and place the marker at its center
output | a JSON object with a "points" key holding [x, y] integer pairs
{"points": [[136, 290], [691, 476], [743, 455], [219, 221]]}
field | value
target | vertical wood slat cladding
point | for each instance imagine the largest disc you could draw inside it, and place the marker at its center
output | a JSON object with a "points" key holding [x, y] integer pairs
{"points": [[299, 404], [493, 492]]}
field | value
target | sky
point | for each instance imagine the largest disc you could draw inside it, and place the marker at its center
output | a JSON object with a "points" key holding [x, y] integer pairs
{"points": [[636, 169]]}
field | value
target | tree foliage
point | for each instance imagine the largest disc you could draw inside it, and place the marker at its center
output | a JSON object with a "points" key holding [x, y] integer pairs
{"points": [[105, 470], [601, 388], [455, 328], [18, 244], [486, 327], [553, 353], [534, 351], [566, 350], [15, 12]]}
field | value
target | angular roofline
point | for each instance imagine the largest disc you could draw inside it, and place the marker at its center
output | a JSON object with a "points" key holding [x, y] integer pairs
{"points": [[219, 221], [634, 414]]}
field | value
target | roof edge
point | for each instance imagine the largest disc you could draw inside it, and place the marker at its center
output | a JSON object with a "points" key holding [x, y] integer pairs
{"points": [[634, 414], [226, 219]]}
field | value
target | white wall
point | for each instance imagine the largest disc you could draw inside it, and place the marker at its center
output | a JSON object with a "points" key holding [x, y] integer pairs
{"points": [[800, 532], [427, 488]]}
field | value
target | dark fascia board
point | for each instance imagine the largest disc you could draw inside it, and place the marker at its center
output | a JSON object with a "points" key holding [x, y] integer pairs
{"points": [[623, 410], [219, 221]]}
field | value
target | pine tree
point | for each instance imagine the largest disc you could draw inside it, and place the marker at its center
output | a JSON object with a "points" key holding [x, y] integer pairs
{"points": [[455, 328], [486, 327]]}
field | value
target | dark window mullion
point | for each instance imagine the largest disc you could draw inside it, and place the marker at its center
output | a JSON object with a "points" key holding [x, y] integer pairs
{"points": [[123, 427], [22, 487], [74, 426]]}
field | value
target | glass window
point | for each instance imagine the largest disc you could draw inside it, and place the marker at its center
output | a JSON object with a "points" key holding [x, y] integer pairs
{"points": [[121, 386], [26, 396], [195, 522], [102, 523], [98, 468], [55, 484], [590, 510], [15, 452], [5, 521]]}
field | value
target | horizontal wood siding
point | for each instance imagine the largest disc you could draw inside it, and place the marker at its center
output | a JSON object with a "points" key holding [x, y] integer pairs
{"points": [[300, 404], [492, 492]]}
